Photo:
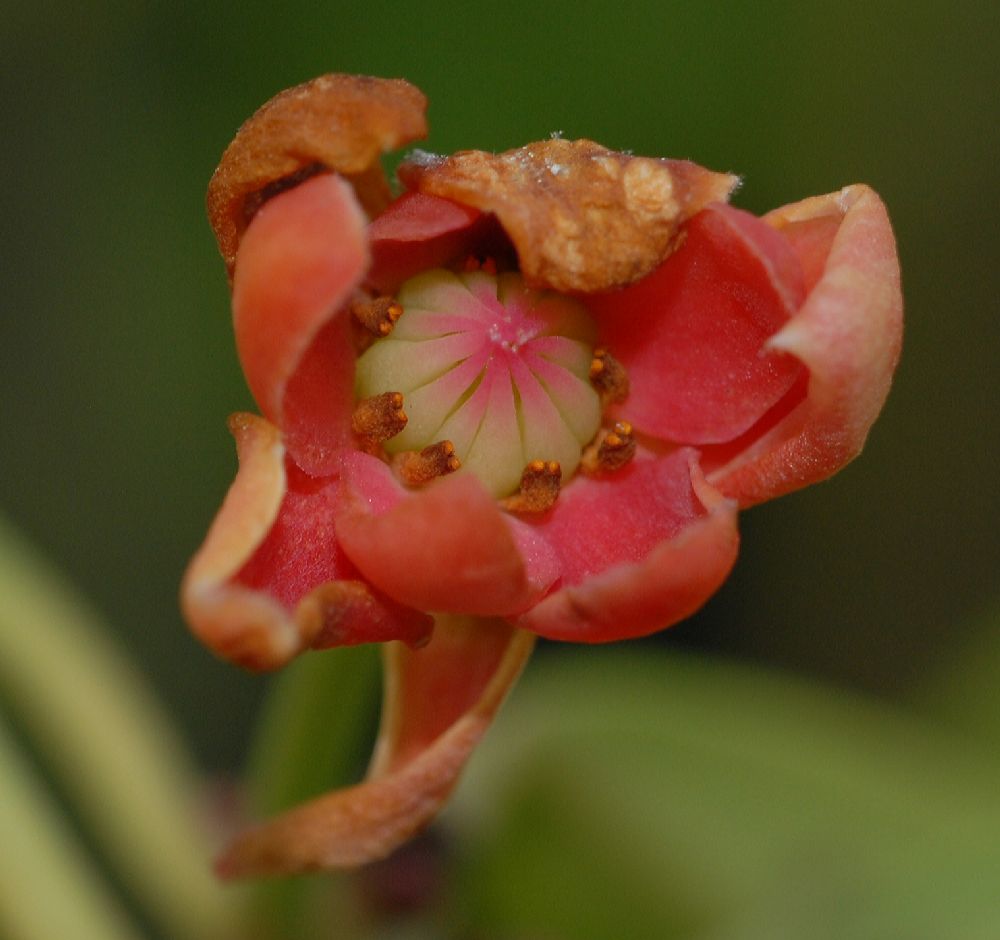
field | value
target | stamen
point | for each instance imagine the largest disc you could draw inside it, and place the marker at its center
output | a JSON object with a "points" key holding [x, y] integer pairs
{"points": [[610, 450], [378, 418], [378, 315], [417, 467], [609, 377], [539, 488]]}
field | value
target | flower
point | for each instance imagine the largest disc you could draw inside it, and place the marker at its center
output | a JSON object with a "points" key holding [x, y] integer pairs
{"points": [[612, 358]]}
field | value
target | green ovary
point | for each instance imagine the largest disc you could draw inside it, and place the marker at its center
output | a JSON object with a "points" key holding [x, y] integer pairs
{"points": [[498, 369]]}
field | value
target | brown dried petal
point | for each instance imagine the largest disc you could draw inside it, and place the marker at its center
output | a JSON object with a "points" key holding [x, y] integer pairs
{"points": [[335, 122], [582, 217]]}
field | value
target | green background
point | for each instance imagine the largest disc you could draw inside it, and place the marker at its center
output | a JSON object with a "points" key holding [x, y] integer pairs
{"points": [[117, 366]]}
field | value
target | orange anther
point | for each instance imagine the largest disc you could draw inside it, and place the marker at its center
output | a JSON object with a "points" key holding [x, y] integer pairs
{"points": [[539, 488], [378, 315], [378, 418], [609, 377], [610, 450], [417, 467]]}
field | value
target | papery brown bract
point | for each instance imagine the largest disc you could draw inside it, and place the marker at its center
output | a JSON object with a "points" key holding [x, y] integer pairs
{"points": [[758, 352]]}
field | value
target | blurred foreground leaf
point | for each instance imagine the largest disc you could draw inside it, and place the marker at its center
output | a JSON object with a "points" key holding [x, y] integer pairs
{"points": [[656, 796], [98, 727], [965, 691], [48, 887]]}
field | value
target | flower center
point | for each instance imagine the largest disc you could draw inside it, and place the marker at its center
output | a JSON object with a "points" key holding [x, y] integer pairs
{"points": [[499, 370]]}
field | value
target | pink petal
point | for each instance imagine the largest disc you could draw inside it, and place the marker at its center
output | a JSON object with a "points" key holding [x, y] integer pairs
{"points": [[439, 702], [654, 591], [300, 259], [541, 562], [692, 334], [848, 333], [446, 547], [417, 233], [622, 516]]}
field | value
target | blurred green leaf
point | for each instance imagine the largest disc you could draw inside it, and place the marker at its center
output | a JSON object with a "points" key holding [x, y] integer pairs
{"points": [[48, 886], [98, 726], [963, 691], [683, 798]]}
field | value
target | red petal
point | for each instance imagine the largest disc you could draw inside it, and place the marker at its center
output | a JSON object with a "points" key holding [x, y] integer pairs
{"points": [[301, 565], [428, 690], [446, 547], [417, 233], [664, 586], [848, 333], [299, 261], [439, 703], [300, 550], [692, 334]]}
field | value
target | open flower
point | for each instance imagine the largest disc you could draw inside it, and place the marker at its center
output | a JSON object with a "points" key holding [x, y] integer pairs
{"points": [[527, 395]]}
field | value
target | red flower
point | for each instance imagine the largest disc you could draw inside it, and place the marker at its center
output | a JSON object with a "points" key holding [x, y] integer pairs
{"points": [[615, 358]]}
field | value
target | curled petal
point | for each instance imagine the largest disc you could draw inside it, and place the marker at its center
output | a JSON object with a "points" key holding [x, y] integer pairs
{"points": [[335, 122], [692, 334], [270, 580], [637, 557], [582, 217], [417, 233], [446, 547], [439, 702], [848, 333], [300, 260], [237, 622]]}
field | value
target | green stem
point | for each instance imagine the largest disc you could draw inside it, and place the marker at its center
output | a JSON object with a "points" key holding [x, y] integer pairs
{"points": [[316, 722], [97, 725]]}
